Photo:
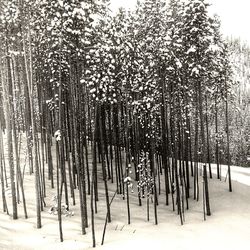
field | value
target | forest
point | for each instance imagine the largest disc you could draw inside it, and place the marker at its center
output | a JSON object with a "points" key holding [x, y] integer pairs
{"points": [[138, 104]]}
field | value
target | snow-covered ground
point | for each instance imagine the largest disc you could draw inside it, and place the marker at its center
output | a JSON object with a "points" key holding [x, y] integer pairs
{"points": [[239, 174], [227, 228]]}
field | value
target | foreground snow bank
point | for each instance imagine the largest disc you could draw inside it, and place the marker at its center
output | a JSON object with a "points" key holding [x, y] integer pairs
{"points": [[227, 228]]}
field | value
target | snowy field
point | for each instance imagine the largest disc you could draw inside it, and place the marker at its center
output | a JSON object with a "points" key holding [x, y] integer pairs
{"points": [[227, 228]]}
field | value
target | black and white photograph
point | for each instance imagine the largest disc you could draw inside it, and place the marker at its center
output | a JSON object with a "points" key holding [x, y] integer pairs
{"points": [[124, 124]]}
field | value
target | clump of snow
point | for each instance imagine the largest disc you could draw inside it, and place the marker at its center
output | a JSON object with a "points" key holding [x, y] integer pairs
{"points": [[195, 71], [192, 49], [58, 135], [64, 208]]}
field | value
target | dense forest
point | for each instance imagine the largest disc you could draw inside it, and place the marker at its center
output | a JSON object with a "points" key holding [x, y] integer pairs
{"points": [[240, 115], [145, 100]]}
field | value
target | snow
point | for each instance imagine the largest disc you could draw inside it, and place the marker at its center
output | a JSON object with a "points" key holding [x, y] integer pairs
{"points": [[60, 3], [178, 63], [214, 48], [241, 175], [192, 49], [58, 135], [227, 228], [195, 71]]}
